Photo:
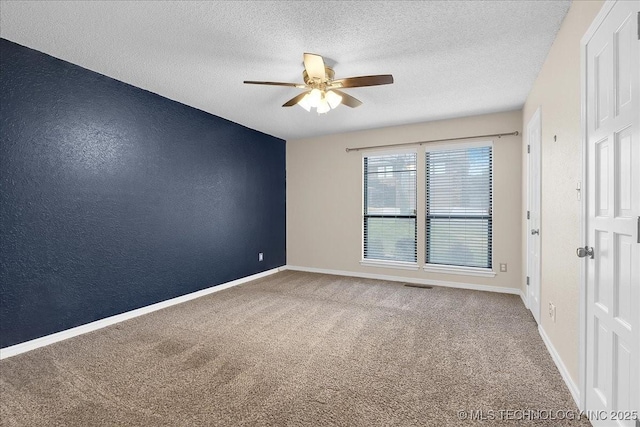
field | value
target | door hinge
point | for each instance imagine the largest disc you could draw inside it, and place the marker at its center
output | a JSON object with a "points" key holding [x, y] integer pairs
{"points": [[528, 214], [638, 230], [638, 39], [528, 149], [527, 280]]}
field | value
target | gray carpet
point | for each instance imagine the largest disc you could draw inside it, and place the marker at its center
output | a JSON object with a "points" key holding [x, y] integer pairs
{"points": [[296, 349]]}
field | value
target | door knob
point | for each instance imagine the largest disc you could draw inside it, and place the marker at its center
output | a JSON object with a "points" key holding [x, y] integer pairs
{"points": [[535, 231], [583, 252]]}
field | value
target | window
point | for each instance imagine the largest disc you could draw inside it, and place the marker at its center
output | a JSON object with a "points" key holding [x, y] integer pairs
{"points": [[389, 218], [459, 206]]}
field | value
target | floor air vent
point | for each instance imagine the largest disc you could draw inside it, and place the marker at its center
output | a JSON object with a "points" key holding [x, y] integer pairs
{"points": [[415, 285]]}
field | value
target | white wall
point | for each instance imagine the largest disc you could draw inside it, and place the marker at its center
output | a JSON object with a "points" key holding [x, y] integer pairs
{"points": [[557, 91], [324, 197]]}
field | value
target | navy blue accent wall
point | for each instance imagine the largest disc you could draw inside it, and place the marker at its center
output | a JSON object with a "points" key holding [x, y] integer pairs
{"points": [[113, 198]]}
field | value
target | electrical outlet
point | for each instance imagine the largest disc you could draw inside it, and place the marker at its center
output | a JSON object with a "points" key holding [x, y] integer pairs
{"points": [[503, 268], [260, 256], [552, 312]]}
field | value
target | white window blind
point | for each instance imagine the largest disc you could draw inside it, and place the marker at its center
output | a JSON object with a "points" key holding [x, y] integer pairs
{"points": [[390, 207], [459, 206]]}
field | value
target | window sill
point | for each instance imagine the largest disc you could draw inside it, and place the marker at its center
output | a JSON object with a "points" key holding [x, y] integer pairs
{"points": [[390, 264], [463, 271]]}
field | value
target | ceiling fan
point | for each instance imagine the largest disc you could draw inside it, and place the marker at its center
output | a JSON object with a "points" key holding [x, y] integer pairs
{"points": [[322, 92]]}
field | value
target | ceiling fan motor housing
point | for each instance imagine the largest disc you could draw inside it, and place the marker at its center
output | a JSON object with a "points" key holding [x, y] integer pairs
{"points": [[314, 83]]}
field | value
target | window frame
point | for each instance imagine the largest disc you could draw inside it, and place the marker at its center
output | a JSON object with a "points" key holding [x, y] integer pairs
{"points": [[403, 265], [449, 268]]}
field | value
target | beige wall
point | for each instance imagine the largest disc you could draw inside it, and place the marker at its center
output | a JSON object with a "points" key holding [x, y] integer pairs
{"points": [[324, 190], [557, 91], [324, 197]]}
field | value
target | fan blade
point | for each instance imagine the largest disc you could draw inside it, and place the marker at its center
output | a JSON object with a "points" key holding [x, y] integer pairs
{"points": [[348, 100], [293, 101], [274, 83], [314, 64], [382, 79]]}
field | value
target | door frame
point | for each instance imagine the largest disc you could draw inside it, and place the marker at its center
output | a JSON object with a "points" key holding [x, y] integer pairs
{"points": [[537, 119], [582, 342]]}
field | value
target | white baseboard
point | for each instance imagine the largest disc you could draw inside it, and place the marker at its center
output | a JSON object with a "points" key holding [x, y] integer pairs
{"points": [[108, 321], [523, 297], [572, 386], [460, 285]]}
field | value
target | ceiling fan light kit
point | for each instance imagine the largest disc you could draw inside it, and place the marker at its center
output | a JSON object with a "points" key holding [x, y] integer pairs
{"points": [[322, 91], [322, 101], [314, 97], [333, 99]]}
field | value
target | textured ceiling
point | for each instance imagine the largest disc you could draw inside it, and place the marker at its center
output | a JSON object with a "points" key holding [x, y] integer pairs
{"points": [[449, 59]]}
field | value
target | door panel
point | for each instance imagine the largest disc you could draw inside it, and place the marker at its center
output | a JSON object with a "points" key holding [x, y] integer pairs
{"points": [[624, 170], [622, 281], [622, 369], [602, 266], [602, 362], [623, 39], [602, 67], [602, 178]]}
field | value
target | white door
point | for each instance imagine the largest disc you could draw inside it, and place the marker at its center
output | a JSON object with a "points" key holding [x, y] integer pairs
{"points": [[612, 216], [533, 215]]}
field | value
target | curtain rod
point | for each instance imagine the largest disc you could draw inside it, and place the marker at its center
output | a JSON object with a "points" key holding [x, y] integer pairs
{"points": [[499, 135]]}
